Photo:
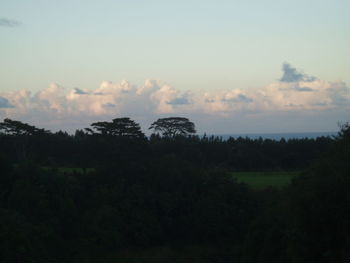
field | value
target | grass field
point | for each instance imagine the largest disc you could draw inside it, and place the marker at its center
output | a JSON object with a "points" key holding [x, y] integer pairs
{"points": [[257, 180], [261, 180]]}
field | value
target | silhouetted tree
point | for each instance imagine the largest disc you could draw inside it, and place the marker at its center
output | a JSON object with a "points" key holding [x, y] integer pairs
{"points": [[173, 126], [13, 127], [24, 137], [118, 127]]}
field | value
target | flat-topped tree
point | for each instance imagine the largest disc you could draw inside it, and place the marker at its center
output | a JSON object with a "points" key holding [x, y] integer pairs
{"points": [[117, 127], [12, 127], [26, 137], [173, 126]]}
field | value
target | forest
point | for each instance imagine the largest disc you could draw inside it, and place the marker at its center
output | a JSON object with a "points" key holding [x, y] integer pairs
{"points": [[109, 193]]}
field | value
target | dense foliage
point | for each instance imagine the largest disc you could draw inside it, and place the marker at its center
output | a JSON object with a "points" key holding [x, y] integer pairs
{"points": [[136, 192], [311, 220], [173, 126], [122, 138]]}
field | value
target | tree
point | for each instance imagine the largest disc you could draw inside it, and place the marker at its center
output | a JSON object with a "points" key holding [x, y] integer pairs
{"points": [[173, 126], [118, 127], [12, 127], [23, 137]]}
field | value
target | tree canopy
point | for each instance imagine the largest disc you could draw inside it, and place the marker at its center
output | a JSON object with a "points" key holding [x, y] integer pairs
{"points": [[173, 126], [117, 127], [13, 127]]}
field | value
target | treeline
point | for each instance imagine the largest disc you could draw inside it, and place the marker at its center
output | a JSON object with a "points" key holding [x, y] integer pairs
{"points": [[123, 139], [162, 192]]}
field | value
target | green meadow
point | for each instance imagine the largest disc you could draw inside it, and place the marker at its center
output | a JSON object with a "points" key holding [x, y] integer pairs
{"points": [[261, 180], [257, 179]]}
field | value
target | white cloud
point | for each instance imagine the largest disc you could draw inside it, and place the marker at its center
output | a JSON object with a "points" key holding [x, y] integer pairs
{"points": [[315, 95], [156, 98], [50, 100]]}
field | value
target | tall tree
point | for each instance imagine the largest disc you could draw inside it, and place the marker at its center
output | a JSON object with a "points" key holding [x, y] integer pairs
{"points": [[173, 126], [12, 127], [24, 137], [117, 127]]}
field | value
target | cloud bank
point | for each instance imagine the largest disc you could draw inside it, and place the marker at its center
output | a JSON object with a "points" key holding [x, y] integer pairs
{"points": [[295, 94]]}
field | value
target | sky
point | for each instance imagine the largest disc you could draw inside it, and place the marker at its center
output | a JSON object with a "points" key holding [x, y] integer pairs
{"points": [[264, 66]]}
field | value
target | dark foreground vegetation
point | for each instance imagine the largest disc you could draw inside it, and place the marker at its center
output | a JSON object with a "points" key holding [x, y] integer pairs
{"points": [[110, 194]]}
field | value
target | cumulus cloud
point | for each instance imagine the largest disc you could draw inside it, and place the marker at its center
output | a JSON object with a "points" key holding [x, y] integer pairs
{"points": [[295, 92], [229, 102], [5, 22], [291, 74]]}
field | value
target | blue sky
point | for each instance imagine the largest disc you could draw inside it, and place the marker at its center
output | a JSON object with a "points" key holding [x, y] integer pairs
{"points": [[193, 46]]}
